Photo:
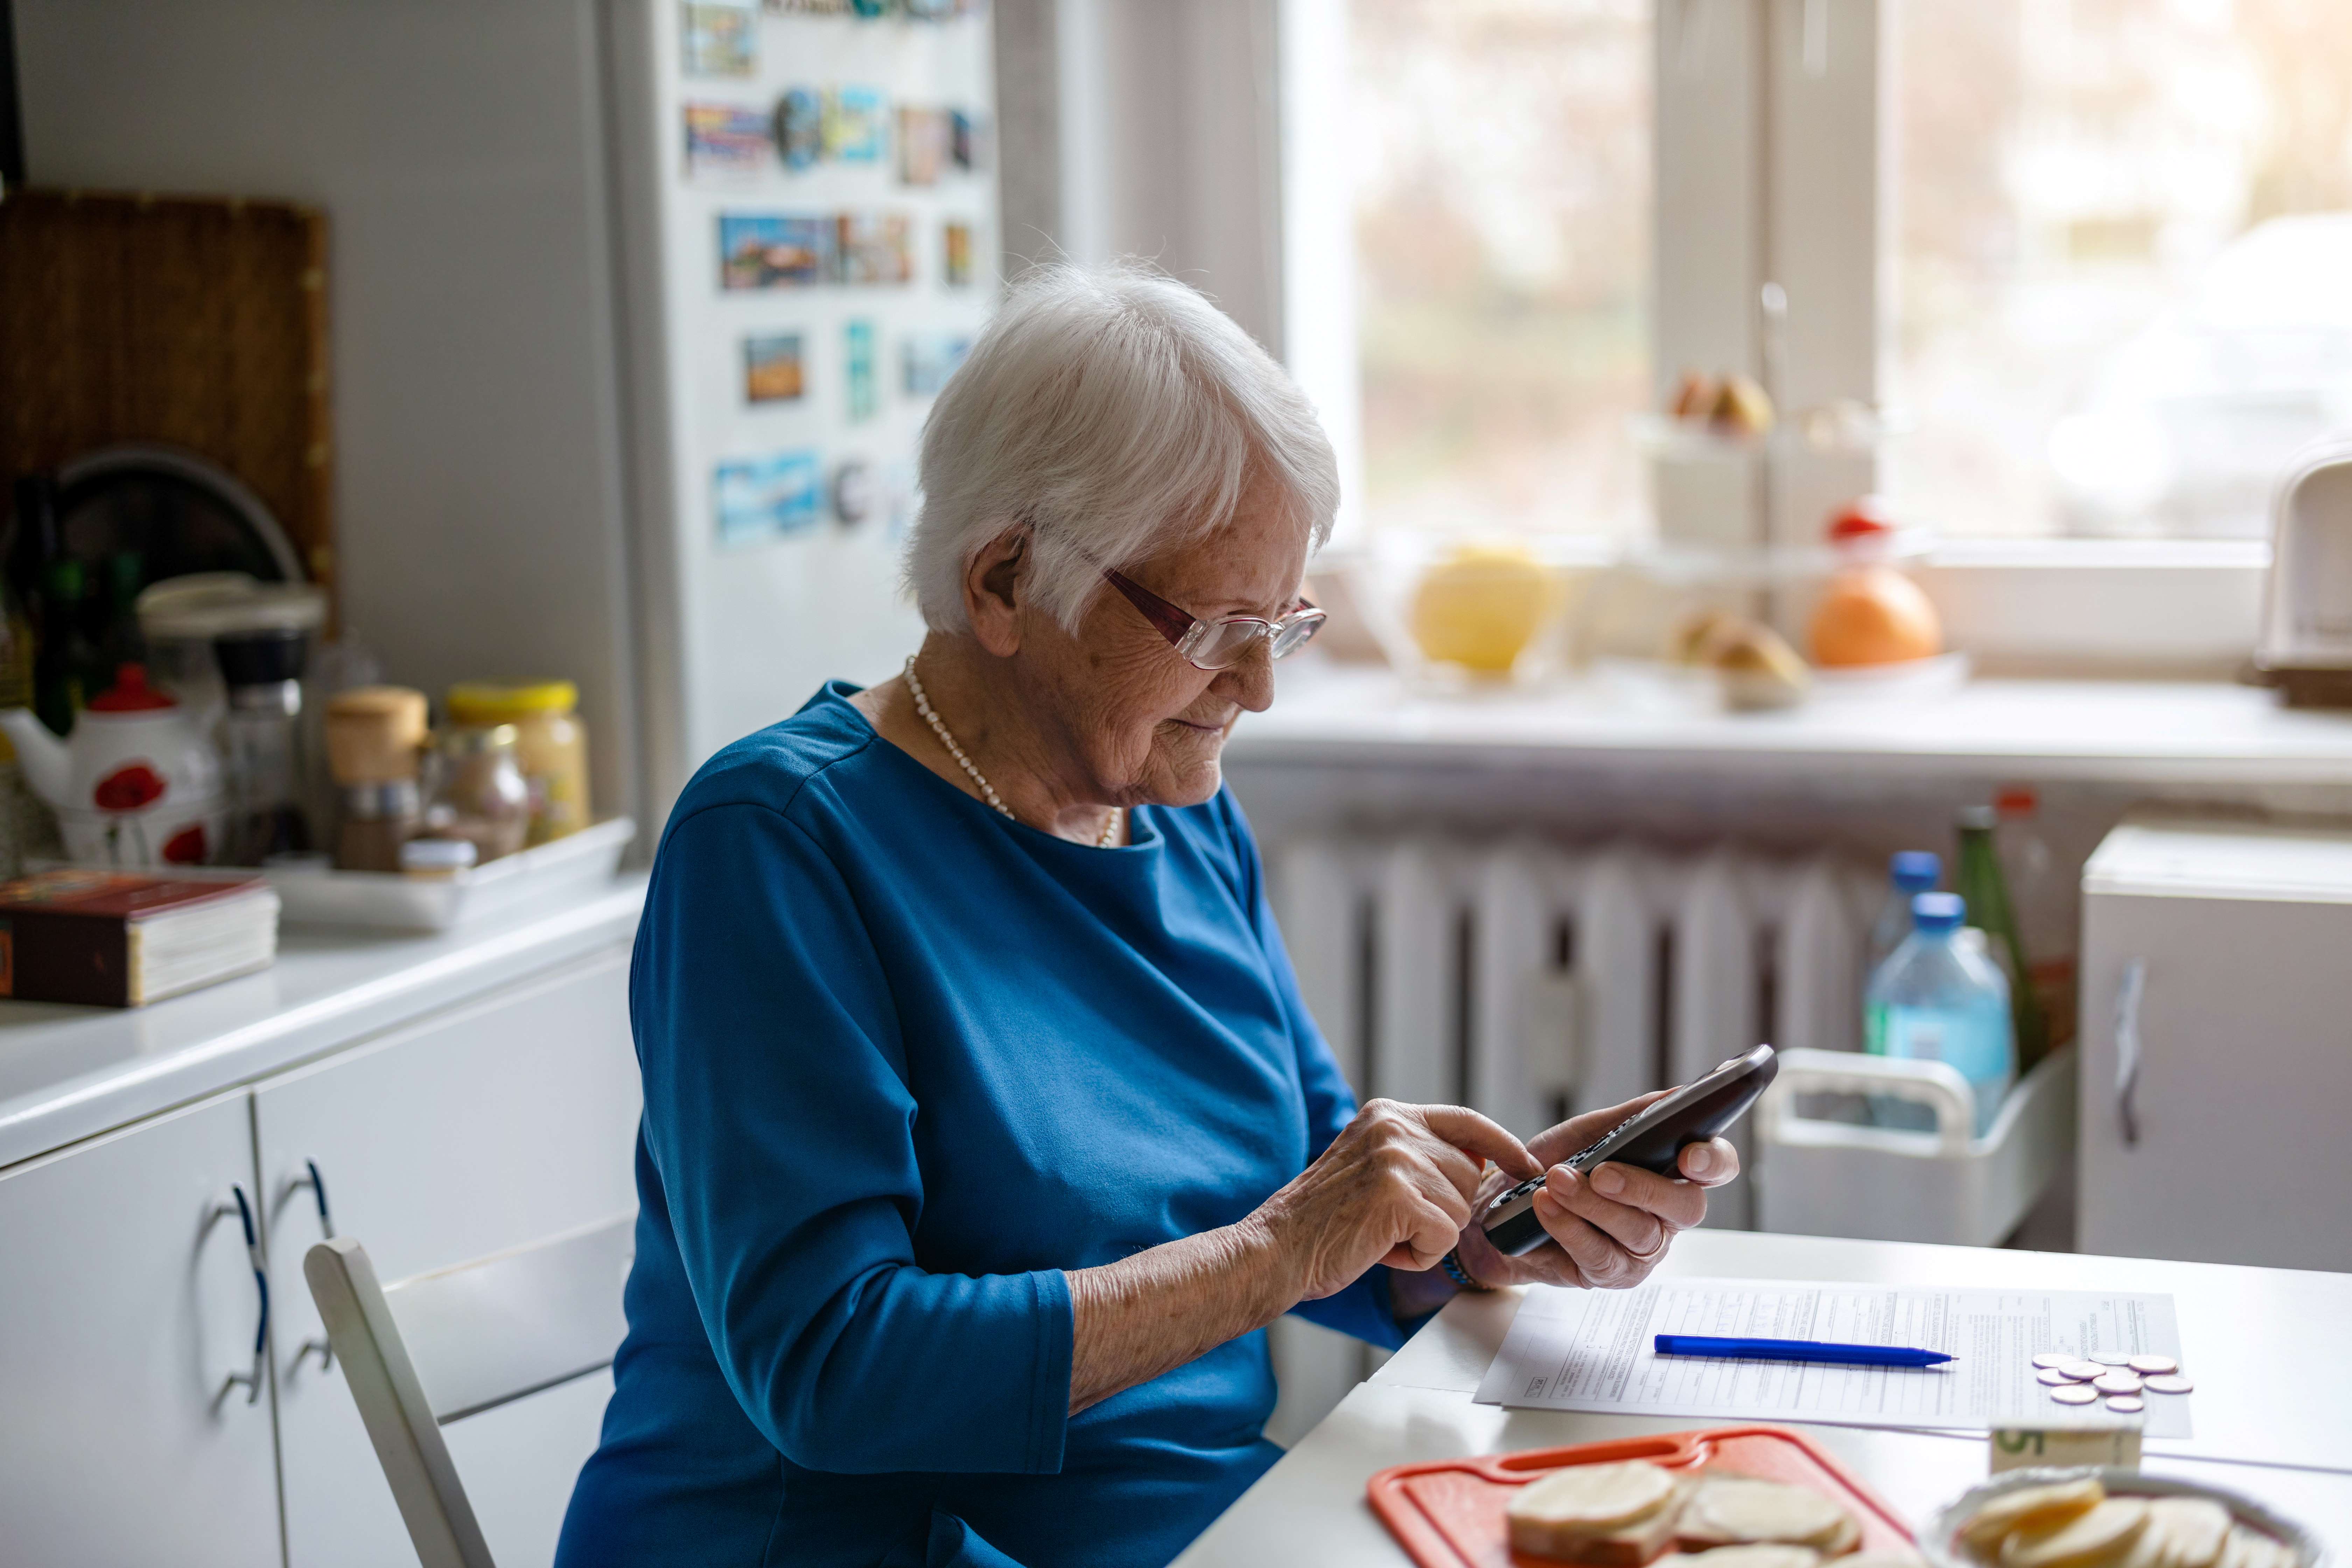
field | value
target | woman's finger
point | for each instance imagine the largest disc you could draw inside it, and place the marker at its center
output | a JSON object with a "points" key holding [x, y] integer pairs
{"points": [[1710, 1163], [1679, 1204], [1635, 1229], [1557, 1143], [1466, 1129], [1430, 1236], [1459, 1171], [1601, 1260]]}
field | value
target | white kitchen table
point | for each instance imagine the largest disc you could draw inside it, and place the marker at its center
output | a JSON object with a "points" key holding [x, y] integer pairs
{"points": [[2271, 1351]]}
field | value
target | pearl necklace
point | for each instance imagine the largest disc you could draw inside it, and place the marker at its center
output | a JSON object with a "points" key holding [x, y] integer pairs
{"points": [[987, 790]]}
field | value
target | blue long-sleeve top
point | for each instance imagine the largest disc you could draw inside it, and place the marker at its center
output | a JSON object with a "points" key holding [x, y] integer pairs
{"points": [[906, 1060]]}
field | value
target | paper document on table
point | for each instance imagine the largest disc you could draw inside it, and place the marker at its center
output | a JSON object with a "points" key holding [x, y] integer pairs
{"points": [[1592, 1350]]}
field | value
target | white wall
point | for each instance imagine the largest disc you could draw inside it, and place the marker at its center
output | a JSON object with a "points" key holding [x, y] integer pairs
{"points": [[1168, 145], [457, 150]]}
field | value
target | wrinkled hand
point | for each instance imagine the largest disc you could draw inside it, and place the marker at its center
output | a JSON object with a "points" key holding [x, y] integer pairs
{"points": [[1608, 1230], [1396, 1187]]}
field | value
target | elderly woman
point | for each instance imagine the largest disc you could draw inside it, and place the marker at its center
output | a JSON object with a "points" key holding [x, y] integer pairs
{"points": [[984, 1128]]}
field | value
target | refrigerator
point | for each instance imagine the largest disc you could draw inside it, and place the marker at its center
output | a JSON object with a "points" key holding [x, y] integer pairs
{"points": [[636, 309]]}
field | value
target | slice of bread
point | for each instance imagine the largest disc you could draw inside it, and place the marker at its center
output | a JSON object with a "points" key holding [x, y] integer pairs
{"points": [[1566, 1534]]}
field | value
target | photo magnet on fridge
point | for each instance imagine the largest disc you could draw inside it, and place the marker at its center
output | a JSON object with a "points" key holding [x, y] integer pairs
{"points": [[800, 128], [967, 140], [723, 140], [771, 368], [875, 247], [856, 124], [922, 144], [956, 251], [757, 499], [716, 39], [864, 387], [810, 7], [930, 359], [773, 251]]}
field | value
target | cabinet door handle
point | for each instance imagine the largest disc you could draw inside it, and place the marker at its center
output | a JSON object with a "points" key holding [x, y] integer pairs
{"points": [[318, 1186], [250, 1382], [2127, 1047]]}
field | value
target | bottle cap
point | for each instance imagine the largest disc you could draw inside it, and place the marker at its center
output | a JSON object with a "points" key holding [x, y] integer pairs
{"points": [[1917, 870], [1938, 913], [485, 702], [1977, 816]]}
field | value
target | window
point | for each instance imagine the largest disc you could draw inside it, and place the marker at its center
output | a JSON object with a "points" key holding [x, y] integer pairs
{"points": [[2121, 259], [1498, 155]]}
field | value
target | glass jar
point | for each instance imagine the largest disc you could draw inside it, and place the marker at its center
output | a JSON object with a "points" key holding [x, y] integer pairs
{"points": [[551, 743], [478, 793]]}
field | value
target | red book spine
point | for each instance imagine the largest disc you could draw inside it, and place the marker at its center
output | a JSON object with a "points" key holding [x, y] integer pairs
{"points": [[48, 957]]}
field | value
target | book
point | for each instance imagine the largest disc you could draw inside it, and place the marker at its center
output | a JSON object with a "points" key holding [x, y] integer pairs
{"points": [[122, 939]]}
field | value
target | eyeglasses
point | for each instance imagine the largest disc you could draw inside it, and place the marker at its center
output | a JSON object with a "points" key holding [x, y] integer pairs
{"points": [[1219, 644]]}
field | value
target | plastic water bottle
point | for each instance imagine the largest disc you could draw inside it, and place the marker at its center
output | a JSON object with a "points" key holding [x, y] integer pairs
{"points": [[1941, 999], [1909, 874]]}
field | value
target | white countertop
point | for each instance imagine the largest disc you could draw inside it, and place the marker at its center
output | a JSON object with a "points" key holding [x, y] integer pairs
{"points": [[2142, 731], [68, 1072], [2268, 1348]]}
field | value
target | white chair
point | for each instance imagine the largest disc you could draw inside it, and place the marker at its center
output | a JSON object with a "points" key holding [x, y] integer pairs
{"points": [[487, 1332]]}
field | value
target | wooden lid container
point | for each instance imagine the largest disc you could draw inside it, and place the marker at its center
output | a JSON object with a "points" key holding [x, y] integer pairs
{"points": [[374, 734]]}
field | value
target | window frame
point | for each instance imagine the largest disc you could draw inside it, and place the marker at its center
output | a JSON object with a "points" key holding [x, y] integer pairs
{"points": [[1774, 113]]}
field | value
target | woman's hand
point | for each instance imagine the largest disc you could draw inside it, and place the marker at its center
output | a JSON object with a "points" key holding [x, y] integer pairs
{"points": [[1608, 1230], [1396, 1186]]}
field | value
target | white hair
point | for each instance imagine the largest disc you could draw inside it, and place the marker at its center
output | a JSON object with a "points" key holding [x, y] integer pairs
{"points": [[1114, 412]]}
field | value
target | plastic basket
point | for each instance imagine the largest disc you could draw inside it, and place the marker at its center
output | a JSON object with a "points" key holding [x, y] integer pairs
{"points": [[1837, 1178]]}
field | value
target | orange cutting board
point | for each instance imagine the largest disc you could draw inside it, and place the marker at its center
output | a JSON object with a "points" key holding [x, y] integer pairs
{"points": [[1448, 1514]]}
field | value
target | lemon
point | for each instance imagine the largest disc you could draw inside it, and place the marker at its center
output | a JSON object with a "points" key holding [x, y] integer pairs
{"points": [[1481, 606]]}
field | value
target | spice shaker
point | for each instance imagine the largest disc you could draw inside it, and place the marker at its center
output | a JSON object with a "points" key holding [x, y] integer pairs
{"points": [[478, 793], [374, 737]]}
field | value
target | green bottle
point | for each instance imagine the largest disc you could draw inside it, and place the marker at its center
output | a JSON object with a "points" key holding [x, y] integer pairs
{"points": [[1979, 881]]}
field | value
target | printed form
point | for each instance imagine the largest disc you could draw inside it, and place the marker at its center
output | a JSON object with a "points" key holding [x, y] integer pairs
{"points": [[1592, 1350]]}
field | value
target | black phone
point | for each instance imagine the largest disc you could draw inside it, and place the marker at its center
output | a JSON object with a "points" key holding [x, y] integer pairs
{"points": [[1653, 1138]]}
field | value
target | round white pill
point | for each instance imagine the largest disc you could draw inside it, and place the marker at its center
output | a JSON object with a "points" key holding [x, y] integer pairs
{"points": [[2166, 1383], [2054, 1377], [2049, 1358], [2082, 1371], [2125, 1403], [2112, 1358], [2120, 1381], [2153, 1363], [2075, 1393]]}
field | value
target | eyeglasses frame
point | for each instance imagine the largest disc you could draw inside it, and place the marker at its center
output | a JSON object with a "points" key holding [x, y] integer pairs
{"points": [[1185, 631]]}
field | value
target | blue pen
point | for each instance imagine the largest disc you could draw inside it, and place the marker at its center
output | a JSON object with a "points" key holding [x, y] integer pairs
{"points": [[1797, 1350]]}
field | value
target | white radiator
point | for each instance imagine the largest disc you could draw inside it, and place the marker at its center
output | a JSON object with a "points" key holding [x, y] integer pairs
{"points": [[1531, 979]]}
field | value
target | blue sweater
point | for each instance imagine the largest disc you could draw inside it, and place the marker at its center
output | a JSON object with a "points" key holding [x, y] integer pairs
{"points": [[906, 1060]]}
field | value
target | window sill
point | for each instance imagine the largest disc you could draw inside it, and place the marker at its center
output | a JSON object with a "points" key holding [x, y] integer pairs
{"points": [[2131, 731]]}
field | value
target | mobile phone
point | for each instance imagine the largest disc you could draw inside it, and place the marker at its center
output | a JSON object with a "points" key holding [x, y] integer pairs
{"points": [[1653, 1138]]}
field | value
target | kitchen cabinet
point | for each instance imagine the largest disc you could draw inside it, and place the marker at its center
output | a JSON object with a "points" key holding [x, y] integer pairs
{"points": [[505, 1122], [126, 1305], [2217, 1008], [459, 1094]]}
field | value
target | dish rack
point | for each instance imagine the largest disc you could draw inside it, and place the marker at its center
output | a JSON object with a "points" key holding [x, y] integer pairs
{"points": [[1820, 1177]]}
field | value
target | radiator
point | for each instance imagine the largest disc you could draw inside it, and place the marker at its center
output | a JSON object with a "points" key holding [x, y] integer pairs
{"points": [[1531, 978]]}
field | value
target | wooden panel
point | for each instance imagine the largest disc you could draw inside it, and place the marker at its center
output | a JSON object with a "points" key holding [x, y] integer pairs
{"points": [[509, 1121], [197, 322], [125, 1303]]}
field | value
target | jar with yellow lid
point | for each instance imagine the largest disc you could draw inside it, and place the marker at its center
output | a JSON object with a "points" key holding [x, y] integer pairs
{"points": [[551, 745]]}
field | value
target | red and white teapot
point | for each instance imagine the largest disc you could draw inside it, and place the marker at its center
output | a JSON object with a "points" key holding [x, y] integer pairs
{"points": [[136, 784]]}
